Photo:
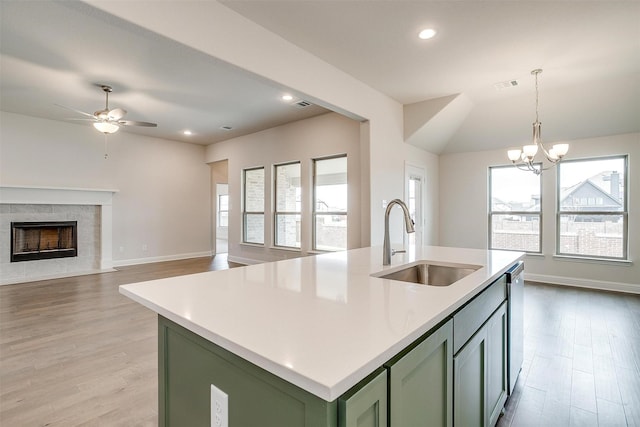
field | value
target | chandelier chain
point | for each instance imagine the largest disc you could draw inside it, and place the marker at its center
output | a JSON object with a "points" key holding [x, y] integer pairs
{"points": [[537, 97]]}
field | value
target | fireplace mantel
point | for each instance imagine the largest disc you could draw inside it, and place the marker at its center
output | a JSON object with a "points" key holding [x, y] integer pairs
{"points": [[22, 194], [35, 195]]}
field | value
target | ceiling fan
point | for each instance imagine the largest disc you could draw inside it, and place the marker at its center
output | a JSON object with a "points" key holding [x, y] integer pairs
{"points": [[106, 120]]}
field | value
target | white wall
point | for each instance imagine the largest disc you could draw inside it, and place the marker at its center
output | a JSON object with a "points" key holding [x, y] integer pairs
{"points": [[464, 221], [304, 140], [163, 200]]}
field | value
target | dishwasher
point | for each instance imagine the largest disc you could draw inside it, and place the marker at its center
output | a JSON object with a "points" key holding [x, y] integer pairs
{"points": [[515, 313]]}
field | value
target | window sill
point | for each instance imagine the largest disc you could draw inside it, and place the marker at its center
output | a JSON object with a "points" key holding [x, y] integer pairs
{"points": [[588, 260], [253, 245], [286, 248], [534, 255]]}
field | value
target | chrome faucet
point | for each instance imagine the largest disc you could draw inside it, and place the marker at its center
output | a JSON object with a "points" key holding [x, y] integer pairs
{"points": [[408, 223]]}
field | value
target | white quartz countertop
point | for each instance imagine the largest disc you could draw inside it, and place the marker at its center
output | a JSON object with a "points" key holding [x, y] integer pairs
{"points": [[321, 322]]}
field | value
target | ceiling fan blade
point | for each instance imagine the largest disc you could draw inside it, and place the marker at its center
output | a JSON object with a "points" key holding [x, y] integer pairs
{"points": [[136, 123], [77, 111], [116, 113], [81, 120]]}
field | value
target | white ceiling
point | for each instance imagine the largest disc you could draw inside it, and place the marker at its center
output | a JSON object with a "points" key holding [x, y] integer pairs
{"points": [[589, 50], [58, 52]]}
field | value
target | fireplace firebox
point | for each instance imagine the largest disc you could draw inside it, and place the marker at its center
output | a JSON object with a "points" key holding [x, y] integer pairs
{"points": [[43, 240]]}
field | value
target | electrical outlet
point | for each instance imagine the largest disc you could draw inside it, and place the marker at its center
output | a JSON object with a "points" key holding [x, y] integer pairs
{"points": [[384, 203], [144, 247], [219, 407], [121, 249]]}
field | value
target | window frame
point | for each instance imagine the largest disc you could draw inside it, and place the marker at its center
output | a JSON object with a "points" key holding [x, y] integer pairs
{"points": [[315, 213], [624, 213], [277, 213], [491, 212], [245, 212]]}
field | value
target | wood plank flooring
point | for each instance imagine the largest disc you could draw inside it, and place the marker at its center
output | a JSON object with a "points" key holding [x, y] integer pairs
{"points": [[75, 352], [582, 359]]}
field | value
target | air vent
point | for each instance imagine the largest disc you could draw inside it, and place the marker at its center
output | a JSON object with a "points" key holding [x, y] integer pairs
{"points": [[506, 84], [301, 104], [226, 127]]}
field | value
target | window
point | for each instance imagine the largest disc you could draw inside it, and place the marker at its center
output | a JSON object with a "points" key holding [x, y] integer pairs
{"points": [[253, 206], [223, 210], [330, 204], [592, 208], [514, 209], [288, 197]]}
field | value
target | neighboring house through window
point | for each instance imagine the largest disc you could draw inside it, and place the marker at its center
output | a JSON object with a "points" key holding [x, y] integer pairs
{"points": [[592, 208], [330, 204], [253, 206], [515, 209]]}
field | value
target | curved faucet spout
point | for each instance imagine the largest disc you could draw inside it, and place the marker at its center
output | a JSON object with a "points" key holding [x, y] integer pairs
{"points": [[408, 223]]}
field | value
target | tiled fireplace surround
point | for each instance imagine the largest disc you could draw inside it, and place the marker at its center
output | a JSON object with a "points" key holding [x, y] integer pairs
{"points": [[92, 208]]}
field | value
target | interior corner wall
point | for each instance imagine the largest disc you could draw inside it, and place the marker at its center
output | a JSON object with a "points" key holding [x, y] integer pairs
{"points": [[163, 198], [464, 213], [321, 136]]}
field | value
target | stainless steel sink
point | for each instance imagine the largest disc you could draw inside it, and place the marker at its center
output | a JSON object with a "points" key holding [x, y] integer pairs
{"points": [[430, 274]]}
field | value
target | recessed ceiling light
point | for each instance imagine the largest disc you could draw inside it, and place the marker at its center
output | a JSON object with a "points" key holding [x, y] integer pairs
{"points": [[427, 33], [187, 132], [287, 97]]}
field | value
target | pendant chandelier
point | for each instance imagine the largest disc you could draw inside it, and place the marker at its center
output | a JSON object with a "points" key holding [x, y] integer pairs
{"points": [[524, 158]]}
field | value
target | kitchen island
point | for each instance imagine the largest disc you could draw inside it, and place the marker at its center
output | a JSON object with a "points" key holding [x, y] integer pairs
{"points": [[317, 327]]}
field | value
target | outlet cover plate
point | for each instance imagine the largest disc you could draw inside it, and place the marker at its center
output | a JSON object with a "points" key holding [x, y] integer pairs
{"points": [[219, 407]]}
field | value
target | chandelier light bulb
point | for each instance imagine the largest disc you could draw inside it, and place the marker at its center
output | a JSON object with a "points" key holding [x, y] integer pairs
{"points": [[561, 149], [514, 155], [530, 150]]}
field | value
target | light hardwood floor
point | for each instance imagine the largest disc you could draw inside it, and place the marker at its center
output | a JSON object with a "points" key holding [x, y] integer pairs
{"points": [[582, 360], [76, 352]]}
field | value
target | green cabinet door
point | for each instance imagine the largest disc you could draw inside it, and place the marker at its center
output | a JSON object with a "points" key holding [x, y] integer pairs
{"points": [[496, 364], [365, 405], [421, 383], [480, 374], [470, 366]]}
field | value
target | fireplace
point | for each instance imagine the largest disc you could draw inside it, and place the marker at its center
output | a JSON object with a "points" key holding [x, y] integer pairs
{"points": [[43, 240]]}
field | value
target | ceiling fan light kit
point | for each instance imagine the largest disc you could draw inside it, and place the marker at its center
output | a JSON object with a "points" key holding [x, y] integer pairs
{"points": [[524, 158], [106, 127], [107, 120]]}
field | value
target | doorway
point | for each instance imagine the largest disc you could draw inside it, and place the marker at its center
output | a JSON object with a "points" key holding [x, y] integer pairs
{"points": [[414, 192], [220, 207]]}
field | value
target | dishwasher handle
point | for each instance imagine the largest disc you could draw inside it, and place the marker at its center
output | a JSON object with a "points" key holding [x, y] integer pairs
{"points": [[515, 271]]}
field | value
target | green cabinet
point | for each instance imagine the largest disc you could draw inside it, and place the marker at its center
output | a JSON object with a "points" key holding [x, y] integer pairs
{"points": [[480, 373], [421, 382], [366, 404], [188, 364], [455, 374]]}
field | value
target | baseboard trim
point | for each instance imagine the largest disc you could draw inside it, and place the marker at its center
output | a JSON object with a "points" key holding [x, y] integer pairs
{"points": [[16, 281], [244, 261], [584, 283], [150, 260]]}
